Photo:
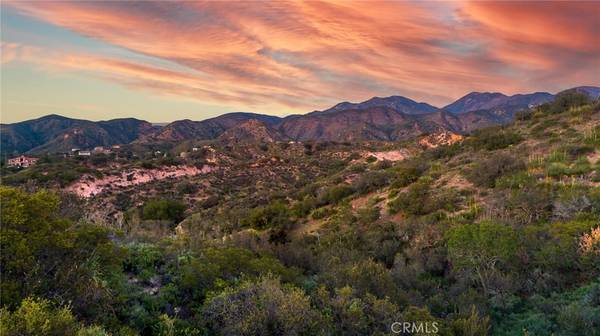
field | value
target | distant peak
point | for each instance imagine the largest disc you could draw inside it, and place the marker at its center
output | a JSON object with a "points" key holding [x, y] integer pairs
{"points": [[487, 94], [396, 103]]}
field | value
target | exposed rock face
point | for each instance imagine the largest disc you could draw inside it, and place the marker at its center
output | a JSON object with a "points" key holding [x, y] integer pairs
{"points": [[440, 139], [393, 155], [88, 186]]}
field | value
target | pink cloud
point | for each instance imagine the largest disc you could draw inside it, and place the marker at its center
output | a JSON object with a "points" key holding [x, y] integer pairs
{"points": [[302, 55]]}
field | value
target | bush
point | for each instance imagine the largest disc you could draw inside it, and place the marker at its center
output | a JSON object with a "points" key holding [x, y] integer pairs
{"points": [[274, 215], [335, 194], [321, 213], [212, 268], [186, 187], [408, 172], [37, 317], [43, 253], [261, 307], [371, 181], [564, 101], [143, 259], [164, 209], [515, 181], [368, 214], [485, 172], [482, 249], [493, 138], [420, 200]]}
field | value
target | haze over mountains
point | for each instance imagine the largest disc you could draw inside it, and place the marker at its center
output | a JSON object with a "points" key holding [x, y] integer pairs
{"points": [[386, 119]]}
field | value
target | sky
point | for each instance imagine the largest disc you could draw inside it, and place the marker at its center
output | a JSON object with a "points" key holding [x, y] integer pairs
{"points": [[164, 61]]}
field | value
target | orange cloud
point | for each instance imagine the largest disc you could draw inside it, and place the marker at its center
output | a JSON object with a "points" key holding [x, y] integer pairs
{"points": [[303, 55]]}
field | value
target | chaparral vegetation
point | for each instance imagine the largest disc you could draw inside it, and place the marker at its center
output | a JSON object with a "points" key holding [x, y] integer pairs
{"points": [[497, 232]]}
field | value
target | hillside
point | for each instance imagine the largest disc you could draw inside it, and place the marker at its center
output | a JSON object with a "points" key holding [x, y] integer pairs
{"points": [[396, 103], [300, 168], [493, 233], [251, 131], [498, 102], [55, 133], [376, 123], [206, 129]]}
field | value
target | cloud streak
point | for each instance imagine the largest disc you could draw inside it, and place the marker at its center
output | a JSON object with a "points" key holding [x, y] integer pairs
{"points": [[301, 55]]}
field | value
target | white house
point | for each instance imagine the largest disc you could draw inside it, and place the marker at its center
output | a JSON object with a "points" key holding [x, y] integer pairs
{"points": [[22, 161]]}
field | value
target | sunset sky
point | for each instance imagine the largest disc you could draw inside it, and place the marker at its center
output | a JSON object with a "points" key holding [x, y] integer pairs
{"points": [[162, 61]]}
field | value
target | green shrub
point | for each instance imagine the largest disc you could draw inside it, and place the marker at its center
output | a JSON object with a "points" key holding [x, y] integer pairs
{"points": [[274, 215], [304, 206], [515, 181], [264, 306], [485, 172], [335, 194], [164, 209], [371, 181], [37, 317], [565, 101], [493, 138], [557, 169], [321, 213], [482, 249], [212, 268], [408, 172], [368, 214], [186, 187], [143, 258], [420, 199]]}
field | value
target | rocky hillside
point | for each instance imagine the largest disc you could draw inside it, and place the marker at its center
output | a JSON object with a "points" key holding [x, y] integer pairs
{"points": [[206, 129], [374, 123], [251, 131]]}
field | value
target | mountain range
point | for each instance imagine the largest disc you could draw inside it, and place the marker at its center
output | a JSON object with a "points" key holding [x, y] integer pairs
{"points": [[380, 118]]}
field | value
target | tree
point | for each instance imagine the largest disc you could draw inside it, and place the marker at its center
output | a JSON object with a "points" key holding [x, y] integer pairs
{"points": [[46, 256], [565, 101]]}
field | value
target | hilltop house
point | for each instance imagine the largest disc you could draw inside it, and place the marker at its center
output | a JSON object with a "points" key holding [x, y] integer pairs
{"points": [[22, 161], [101, 150]]}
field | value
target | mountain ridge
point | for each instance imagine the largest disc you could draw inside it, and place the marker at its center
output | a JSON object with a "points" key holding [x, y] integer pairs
{"points": [[390, 118]]}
